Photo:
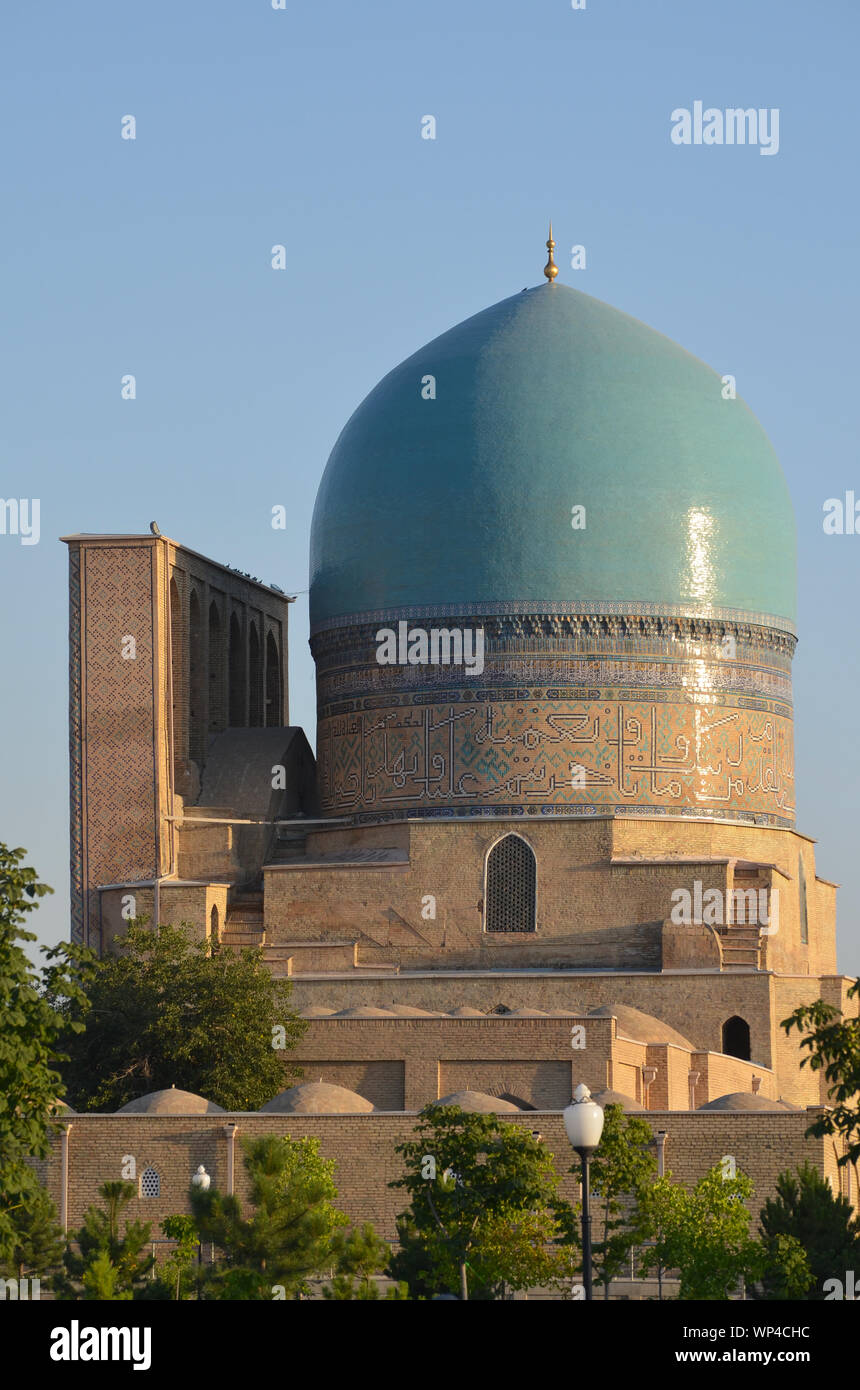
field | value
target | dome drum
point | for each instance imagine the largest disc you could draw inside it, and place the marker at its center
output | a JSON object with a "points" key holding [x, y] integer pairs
{"points": [[571, 713]]}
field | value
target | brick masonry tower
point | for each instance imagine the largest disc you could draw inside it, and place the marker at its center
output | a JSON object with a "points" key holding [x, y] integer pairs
{"points": [[168, 651]]}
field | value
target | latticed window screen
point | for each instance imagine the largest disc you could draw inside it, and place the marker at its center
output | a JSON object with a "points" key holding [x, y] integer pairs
{"points": [[150, 1183], [511, 886]]}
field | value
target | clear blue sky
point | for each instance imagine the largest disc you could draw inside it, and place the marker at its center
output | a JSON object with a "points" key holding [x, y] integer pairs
{"points": [[302, 127]]}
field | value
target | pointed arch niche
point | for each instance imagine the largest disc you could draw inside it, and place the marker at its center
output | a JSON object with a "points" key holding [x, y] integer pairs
{"points": [[510, 886]]}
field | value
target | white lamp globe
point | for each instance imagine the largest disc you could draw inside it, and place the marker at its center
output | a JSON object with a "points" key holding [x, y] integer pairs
{"points": [[583, 1121], [201, 1179]]}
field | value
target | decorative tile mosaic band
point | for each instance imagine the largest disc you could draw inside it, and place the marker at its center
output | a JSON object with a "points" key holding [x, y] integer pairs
{"points": [[667, 725], [579, 608]]}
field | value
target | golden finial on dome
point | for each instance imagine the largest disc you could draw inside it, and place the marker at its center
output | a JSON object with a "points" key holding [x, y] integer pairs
{"points": [[550, 270]]}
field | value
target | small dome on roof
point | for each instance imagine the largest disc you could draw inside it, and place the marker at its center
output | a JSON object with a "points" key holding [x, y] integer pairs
{"points": [[641, 1027], [171, 1102], [527, 1013], [411, 1011], [478, 1102], [316, 1012], [627, 1103], [363, 1011], [317, 1098], [745, 1100]]}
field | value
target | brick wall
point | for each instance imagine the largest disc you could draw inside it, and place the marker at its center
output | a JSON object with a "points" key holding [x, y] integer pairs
{"points": [[363, 1148]]}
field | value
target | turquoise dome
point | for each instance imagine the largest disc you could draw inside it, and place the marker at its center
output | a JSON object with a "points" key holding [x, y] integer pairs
{"points": [[544, 402]]}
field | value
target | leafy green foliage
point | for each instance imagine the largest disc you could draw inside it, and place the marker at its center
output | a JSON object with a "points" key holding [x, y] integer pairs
{"points": [[289, 1236], [30, 1048], [703, 1234], [806, 1211], [106, 1264], [175, 1278], [167, 1010], [488, 1218], [832, 1044], [785, 1272]]}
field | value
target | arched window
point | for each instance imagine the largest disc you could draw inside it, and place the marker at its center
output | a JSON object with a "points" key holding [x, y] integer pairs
{"points": [[177, 674], [213, 925], [510, 900], [150, 1183], [736, 1038], [196, 692], [216, 672], [801, 890], [255, 678], [274, 713], [237, 675]]}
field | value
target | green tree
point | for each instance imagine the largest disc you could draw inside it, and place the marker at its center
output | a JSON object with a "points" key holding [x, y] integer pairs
{"points": [[621, 1169], [487, 1204], [108, 1264], [832, 1044], [822, 1224], [175, 1277], [785, 1272], [703, 1234], [357, 1257], [37, 1242], [166, 1010], [31, 1050], [289, 1236]]}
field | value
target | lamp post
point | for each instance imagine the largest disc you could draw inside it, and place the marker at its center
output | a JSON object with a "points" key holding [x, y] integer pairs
{"points": [[201, 1182], [583, 1120]]}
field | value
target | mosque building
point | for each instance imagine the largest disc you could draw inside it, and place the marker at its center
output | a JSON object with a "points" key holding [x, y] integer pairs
{"points": [[549, 833]]}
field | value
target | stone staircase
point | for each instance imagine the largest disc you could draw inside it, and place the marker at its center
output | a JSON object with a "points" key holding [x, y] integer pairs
{"points": [[741, 941], [741, 947], [244, 924]]}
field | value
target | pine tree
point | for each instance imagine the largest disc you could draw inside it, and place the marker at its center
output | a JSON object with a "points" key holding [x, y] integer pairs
{"points": [[287, 1238], [105, 1260], [357, 1257], [806, 1208], [37, 1242]]}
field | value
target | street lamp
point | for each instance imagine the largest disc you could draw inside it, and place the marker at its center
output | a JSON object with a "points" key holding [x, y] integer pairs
{"points": [[583, 1120], [200, 1181]]}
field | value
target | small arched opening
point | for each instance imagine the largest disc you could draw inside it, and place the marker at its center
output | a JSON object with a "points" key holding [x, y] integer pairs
{"points": [[216, 669], [736, 1038], [237, 675], [274, 715], [196, 691], [255, 678], [214, 926]]}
